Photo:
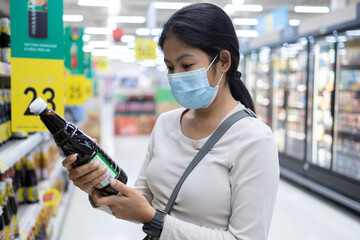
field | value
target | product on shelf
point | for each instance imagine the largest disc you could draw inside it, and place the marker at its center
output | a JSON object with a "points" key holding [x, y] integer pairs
{"points": [[5, 39], [38, 18], [12, 206], [19, 182], [71, 139], [2, 224], [31, 183], [9, 231]]}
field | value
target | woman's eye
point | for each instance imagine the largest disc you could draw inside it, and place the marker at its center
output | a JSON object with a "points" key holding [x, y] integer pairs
{"points": [[187, 66], [170, 69]]}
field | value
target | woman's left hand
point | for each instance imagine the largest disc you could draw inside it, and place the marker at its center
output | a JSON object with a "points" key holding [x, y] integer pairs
{"points": [[129, 204]]}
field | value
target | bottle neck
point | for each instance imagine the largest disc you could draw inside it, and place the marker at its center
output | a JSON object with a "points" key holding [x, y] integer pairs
{"points": [[53, 121]]}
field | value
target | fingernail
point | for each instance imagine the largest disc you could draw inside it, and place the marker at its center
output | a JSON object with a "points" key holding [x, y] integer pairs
{"points": [[113, 182], [103, 168], [96, 164], [72, 157]]}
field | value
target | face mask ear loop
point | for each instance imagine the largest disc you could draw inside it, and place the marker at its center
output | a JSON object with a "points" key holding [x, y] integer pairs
{"points": [[220, 79], [211, 63]]}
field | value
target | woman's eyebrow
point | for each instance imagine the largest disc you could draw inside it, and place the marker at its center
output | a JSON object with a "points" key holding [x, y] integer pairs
{"points": [[180, 57]]}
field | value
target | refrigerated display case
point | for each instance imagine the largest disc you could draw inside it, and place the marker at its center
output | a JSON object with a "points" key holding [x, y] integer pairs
{"points": [[322, 107], [279, 74], [251, 70], [263, 86], [347, 134], [295, 97]]}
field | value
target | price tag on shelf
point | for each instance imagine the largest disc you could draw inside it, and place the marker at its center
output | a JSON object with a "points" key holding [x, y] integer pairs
{"points": [[75, 90], [31, 79], [89, 88]]}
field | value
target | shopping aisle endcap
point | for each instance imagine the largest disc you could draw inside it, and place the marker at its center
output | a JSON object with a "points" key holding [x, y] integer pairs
{"points": [[38, 106]]}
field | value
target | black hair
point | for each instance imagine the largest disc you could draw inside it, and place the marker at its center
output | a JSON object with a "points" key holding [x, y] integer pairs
{"points": [[209, 28]]}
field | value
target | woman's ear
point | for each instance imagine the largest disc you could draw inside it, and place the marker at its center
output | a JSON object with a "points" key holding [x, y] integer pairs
{"points": [[225, 61]]}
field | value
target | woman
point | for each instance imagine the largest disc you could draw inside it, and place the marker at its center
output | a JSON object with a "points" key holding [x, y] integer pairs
{"points": [[231, 193]]}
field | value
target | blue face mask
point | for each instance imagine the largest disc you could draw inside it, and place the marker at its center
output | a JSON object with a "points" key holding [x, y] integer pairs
{"points": [[192, 90]]}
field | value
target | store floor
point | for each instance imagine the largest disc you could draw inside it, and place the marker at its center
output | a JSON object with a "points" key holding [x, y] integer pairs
{"points": [[299, 214]]}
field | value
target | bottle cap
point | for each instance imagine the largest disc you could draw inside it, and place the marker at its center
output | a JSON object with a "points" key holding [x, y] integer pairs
{"points": [[38, 106], [8, 181]]}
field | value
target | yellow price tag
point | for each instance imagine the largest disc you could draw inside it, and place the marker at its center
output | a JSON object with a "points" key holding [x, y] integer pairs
{"points": [[75, 91], [145, 48], [89, 88], [30, 79]]}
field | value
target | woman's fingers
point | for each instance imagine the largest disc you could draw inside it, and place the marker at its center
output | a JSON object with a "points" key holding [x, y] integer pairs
{"points": [[83, 170], [92, 177], [68, 161]]}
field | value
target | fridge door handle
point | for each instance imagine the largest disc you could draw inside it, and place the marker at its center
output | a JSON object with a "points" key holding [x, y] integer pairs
{"points": [[332, 103]]}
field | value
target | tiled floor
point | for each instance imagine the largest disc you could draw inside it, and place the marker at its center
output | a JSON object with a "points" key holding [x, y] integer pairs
{"points": [[299, 214]]}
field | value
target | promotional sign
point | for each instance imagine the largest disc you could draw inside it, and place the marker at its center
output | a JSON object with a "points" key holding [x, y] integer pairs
{"points": [[37, 49], [75, 91], [273, 21], [37, 29], [145, 49], [87, 65], [74, 54], [35, 78]]}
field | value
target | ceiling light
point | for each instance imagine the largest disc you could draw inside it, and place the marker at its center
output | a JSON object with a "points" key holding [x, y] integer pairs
{"points": [[245, 21], [352, 33], [128, 38], [142, 31], [94, 3], [247, 8], [114, 7], [97, 30], [73, 18], [294, 22], [129, 19], [169, 5], [99, 44], [311, 9], [156, 31], [86, 38], [247, 33]]}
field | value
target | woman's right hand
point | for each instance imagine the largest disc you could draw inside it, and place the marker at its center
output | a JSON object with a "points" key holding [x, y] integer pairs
{"points": [[85, 177]]}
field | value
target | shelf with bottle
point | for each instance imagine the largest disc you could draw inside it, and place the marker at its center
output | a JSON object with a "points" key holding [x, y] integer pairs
{"points": [[14, 150], [5, 69]]}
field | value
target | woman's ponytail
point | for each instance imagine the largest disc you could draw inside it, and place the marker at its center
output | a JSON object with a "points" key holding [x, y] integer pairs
{"points": [[240, 92]]}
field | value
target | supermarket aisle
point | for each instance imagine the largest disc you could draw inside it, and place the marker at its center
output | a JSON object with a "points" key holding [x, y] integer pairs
{"points": [[299, 214]]}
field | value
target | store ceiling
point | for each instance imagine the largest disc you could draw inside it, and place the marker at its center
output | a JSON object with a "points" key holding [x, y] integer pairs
{"points": [[97, 16]]}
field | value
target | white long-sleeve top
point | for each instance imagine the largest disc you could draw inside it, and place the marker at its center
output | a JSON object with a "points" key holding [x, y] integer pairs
{"points": [[229, 195]]}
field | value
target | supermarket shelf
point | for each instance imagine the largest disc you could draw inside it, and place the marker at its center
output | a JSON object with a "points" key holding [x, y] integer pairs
{"points": [[349, 111], [352, 155], [296, 107], [57, 222], [320, 189], [28, 212], [14, 150], [5, 69], [350, 136], [351, 66]]}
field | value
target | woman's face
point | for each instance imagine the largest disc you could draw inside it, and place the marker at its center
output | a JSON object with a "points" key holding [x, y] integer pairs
{"points": [[181, 57]]}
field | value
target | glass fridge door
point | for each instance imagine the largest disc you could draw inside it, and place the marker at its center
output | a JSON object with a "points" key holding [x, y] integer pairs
{"points": [[279, 75], [323, 51], [347, 120], [263, 84], [297, 54], [250, 70]]}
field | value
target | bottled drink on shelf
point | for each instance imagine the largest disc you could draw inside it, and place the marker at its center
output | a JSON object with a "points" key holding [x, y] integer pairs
{"points": [[31, 184], [19, 183], [5, 39], [2, 224], [70, 139], [12, 206], [38, 18], [9, 234]]}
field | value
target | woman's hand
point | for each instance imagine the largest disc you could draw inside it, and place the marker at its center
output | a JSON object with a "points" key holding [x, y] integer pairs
{"points": [[85, 177], [129, 204]]}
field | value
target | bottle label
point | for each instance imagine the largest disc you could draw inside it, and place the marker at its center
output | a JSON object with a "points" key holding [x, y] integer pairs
{"points": [[33, 194], [110, 172], [15, 224], [2, 235], [7, 232], [20, 195], [10, 191], [38, 5]]}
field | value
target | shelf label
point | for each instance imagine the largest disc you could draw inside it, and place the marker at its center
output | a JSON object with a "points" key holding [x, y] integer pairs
{"points": [[30, 79], [89, 88], [75, 91], [145, 49]]}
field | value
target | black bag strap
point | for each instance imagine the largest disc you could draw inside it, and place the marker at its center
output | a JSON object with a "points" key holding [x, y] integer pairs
{"points": [[214, 138]]}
